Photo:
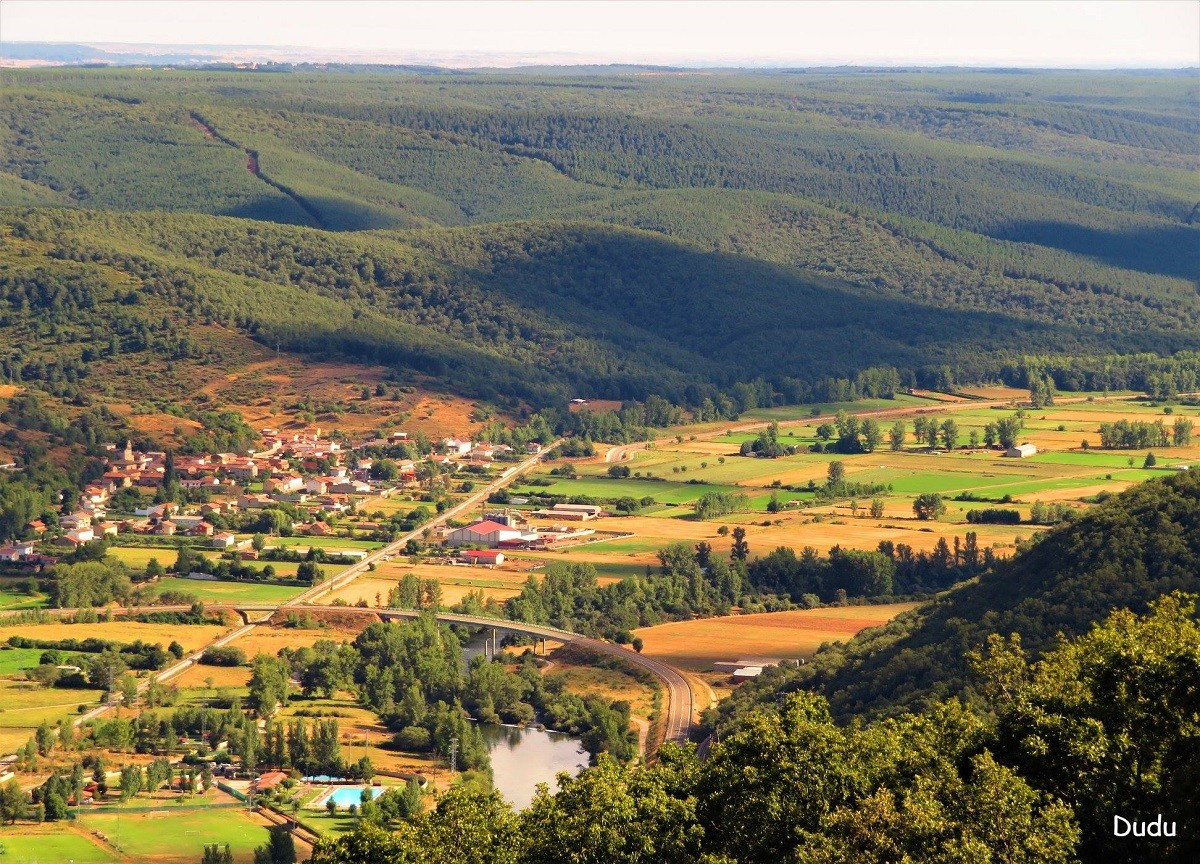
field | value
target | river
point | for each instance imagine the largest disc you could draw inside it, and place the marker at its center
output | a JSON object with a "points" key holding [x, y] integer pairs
{"points": [[523, 758]]}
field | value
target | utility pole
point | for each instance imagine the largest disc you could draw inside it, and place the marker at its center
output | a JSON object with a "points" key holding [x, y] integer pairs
{"points": [[453, 754]]}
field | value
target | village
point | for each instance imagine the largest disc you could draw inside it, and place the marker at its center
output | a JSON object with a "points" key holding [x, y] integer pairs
{"points": [[322, 489]]}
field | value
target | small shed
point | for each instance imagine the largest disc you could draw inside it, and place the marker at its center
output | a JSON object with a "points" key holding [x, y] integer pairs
{"points": [[486, 557], [1020, 451]]}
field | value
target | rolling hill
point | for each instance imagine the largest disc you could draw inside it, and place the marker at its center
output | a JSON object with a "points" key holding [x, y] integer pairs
{"points": [[1123, 554], [529, 236]]}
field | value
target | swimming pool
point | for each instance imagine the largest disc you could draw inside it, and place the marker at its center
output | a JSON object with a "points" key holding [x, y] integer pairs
{"points": [[344, 796]]}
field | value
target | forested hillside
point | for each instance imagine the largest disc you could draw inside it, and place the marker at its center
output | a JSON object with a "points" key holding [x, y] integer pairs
{"points": [[1123, 554], [622, 234]]}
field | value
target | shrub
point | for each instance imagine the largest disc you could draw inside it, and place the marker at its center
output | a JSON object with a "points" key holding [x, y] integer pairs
{"points": [[223, 656]]}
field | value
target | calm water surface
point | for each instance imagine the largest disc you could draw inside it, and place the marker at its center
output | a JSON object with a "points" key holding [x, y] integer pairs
{"points": [[523, 758]]}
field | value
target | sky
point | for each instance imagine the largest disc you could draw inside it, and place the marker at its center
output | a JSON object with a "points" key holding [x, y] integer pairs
{"points": [[1078, 33]]}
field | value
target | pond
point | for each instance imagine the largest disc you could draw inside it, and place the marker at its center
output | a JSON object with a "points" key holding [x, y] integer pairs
{"points": [[523, 758]]}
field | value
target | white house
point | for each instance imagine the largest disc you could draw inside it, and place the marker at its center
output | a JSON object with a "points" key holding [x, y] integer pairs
{"points": [[224, 540], [1020, 451]]}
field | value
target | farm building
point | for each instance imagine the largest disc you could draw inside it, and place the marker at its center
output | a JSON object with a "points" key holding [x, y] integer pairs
{"points": [[484, 557], [486, 533], [745, 673], [1020, 451], [570, 512], [734, 665]]}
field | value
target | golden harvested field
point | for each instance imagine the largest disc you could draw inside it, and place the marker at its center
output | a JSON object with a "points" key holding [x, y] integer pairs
{"points": [[269, 640], [24, 705], [456, 581], [190, 636], [261, 640], [138, 557], [195, 676], [698, 644], [612, 684]]}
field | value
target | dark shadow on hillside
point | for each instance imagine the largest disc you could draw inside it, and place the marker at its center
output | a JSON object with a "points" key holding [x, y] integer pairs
{"points": [[1169, 251], [271, 208], [656, 298]]}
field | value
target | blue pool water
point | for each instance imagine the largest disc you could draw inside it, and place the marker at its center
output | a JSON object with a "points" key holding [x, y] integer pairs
{"points": [[344, 796]]}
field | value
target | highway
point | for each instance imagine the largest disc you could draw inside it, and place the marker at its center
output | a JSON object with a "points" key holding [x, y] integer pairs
{"points": [[680, 699]]}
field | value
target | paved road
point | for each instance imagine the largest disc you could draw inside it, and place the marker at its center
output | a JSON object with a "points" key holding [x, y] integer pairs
{"points": [[397, 546], [680, 701], [341, 580]]}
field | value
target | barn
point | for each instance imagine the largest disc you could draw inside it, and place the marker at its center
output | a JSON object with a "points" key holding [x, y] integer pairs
{"points": [[486, 533]]}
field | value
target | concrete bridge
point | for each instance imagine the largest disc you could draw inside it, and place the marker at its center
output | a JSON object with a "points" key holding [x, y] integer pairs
{"points": [[680, 701]]}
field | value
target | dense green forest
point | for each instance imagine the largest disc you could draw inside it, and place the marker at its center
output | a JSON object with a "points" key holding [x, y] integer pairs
{"points": [[536, 236], [1102, 724], [1122, 554]]}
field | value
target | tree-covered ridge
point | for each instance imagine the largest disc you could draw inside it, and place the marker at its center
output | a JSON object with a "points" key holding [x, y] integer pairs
{"points": [[1104, 724], [1125, 553], [946, 224], [543, 311], [1097, 164]]}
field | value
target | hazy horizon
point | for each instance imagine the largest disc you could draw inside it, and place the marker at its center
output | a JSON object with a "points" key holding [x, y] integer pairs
{"points": [[1055, 34]]}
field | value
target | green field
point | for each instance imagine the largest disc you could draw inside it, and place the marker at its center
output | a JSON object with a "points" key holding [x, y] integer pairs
{"points": [[231, 592], [803, 412], [178, 834], [1105, 459], [14, 660], [664, 492], [325, 542], [50, 844], [24, 705], [17, 600]]}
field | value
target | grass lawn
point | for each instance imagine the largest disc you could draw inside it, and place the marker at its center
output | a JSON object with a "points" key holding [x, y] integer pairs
{"points": [[326, 825], [16, 600], [50, 844], [665, 491], [324, 542], [14, 660], [232, 592], [180, 835]]}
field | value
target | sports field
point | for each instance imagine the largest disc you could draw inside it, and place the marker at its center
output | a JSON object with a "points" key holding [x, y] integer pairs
{"points": [[696, 645], [51, 844], [231, 592], [179, 836]]}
